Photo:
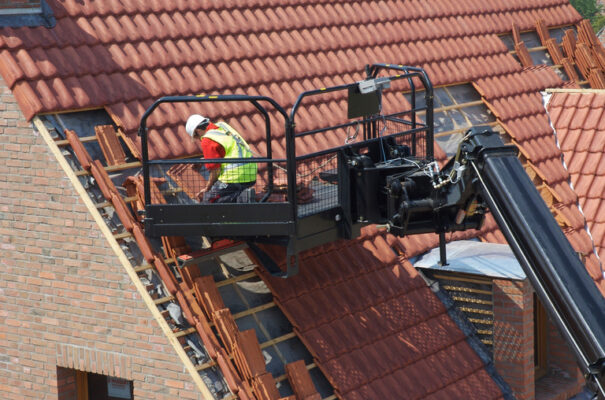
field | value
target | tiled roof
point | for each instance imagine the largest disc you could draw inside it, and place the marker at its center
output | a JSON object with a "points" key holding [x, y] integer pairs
{"points": [[395, 329], [123, 55], [375, 328], [516, 102], [579, 121]]}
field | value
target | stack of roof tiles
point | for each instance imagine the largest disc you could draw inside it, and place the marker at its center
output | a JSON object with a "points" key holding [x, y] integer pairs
{"points": [[199, 299], [122, 55], [583, 51]]}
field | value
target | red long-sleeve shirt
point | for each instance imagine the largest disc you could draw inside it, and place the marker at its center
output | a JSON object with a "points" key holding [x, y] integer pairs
{"points": [[212, 149]]}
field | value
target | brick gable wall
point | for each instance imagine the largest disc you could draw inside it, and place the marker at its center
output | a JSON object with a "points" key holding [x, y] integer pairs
{"points": [[513, 335], [514, 346], [65, 299]]}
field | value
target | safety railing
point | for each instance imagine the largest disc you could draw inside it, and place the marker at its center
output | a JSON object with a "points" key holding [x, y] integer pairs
{"points": [[300, 199], [318, 171], [261, 209]]}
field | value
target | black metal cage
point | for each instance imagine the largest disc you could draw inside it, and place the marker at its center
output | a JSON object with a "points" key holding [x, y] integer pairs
{"points": [[303, 199]]}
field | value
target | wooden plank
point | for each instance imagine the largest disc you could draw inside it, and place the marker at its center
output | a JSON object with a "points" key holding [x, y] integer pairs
{"points": [[457, 106], [263, 345], [122, 235], [277, 340], [466, 289], [481, 321], [144, 267], [475, 311], [81, 385], [108, 204], [236, 279], [530, 49], [254, 310], [462, 130], [205, 365], [114, 168], [581, 90], [471, 300], [186, 332], [463, 279], [284, 376], [85, 139], [163, 300]]}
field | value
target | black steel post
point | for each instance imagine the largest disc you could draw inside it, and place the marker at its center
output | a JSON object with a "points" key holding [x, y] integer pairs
{"points": [[442, 252]]}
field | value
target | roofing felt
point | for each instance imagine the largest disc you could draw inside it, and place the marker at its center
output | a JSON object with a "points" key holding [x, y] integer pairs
{"points": [[123, 55], [579, 121]]}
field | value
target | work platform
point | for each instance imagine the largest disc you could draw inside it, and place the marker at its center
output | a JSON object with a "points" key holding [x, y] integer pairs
{"points": [[307, 191]]}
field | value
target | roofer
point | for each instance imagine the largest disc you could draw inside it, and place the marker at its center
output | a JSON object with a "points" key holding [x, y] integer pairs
{"points": [[227, 182]]}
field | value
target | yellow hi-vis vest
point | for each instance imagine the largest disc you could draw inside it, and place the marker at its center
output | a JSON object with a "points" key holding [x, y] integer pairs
{"points": [[235, 147]]}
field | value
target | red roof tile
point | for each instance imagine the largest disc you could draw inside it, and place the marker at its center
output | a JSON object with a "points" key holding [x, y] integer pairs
{"points": [[122, 55], [369, 317], [157, 49], [579, 121], [301, 382], [110, 144], [513, 99], [248, 355]]}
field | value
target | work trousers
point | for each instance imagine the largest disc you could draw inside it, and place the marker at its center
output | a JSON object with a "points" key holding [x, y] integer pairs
{"points": [[222, 192]]}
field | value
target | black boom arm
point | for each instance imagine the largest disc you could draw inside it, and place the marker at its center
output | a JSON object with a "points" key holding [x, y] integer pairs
{"points": [[487, 174]]}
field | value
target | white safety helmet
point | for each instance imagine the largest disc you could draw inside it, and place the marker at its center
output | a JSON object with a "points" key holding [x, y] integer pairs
{"points": [[193, 122]]}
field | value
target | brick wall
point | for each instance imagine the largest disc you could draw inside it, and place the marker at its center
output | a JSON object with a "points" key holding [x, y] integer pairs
{"points": [[65, 299], [514, 346], [66, 384], [513, 335], [560, 355]]}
